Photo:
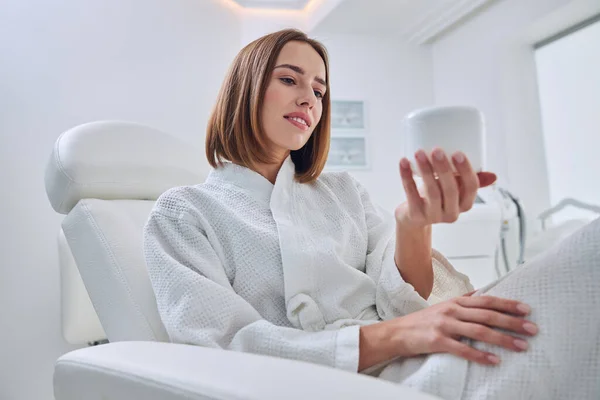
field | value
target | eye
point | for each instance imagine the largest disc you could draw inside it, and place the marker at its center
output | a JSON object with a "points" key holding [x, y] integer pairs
{"points": [[287, 81], [318, 94]]}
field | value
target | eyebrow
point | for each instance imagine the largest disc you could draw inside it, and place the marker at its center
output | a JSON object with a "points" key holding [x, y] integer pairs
{"points": [[299, 70]]}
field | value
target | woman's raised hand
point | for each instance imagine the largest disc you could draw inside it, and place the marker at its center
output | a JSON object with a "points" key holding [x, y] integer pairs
{"points": [[445, 193]]}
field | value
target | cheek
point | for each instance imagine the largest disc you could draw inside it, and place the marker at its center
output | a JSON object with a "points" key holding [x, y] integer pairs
{"points": [[271, 112], [267, 112], [273, 98], [318, 113]]}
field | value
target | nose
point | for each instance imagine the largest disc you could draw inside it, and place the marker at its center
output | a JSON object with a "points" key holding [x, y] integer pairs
{"points": [[307, 99]]}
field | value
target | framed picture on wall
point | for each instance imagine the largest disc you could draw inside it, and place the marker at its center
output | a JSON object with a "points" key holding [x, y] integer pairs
{"points": [[348, 152], [348, 115]]}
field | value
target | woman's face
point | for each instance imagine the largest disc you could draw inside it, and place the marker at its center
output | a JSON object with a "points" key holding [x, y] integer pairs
{"points": [[292, 104]]}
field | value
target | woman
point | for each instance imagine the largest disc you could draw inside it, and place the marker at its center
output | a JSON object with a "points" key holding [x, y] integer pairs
{"points": [[271, 256]]}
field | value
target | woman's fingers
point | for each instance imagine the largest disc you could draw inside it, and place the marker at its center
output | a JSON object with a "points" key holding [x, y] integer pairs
{"points": [[485, 334], [432, 190], [469, 182], [448, 185], [447, 191], [493, 303], [497, 320], [410, 187], [467, 352]]}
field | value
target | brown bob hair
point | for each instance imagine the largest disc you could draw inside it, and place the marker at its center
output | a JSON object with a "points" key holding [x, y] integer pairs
{"points": [[235, 130]]}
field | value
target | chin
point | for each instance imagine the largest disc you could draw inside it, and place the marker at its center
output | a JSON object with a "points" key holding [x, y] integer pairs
{"points": [[296, 142]]}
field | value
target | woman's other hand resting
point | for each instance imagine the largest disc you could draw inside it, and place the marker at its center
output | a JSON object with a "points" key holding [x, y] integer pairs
{"points": [[440, 328]]}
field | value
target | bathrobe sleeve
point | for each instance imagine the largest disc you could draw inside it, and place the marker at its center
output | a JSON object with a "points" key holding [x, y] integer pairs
{"points": [[395, 297], [198, 305]]}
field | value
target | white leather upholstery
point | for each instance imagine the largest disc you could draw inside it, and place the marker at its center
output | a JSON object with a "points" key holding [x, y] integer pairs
{"points": [[118, 160], [94, 174], [80, 324], [105, 237], [166, 371]]}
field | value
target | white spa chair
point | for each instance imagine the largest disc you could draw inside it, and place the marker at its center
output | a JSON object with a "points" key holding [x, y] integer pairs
{"points": [[105, 176]]}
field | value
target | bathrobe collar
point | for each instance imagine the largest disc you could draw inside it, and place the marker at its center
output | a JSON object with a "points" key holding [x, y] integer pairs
{"points": [[251, 181]]}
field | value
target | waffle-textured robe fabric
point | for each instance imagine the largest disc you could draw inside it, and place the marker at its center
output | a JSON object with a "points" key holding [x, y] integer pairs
{"points": [[288, 270]]}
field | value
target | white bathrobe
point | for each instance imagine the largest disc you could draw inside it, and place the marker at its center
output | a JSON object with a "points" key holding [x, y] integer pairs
{"points": [[288, 270], [292, 270]]}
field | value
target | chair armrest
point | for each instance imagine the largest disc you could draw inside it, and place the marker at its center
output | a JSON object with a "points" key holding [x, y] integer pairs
{"points": [[167, 371]]}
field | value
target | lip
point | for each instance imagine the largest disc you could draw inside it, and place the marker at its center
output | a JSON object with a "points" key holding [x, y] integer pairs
{"points": [[297, 124], [302, 115]]}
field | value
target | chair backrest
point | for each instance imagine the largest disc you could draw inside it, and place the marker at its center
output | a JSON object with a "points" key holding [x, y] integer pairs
{"points": [[105, 176]]}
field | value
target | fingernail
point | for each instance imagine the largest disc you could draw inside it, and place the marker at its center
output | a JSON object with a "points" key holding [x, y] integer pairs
{"points": [[493, 359], [531, 328], [438, 154], [404, 163], [524, 308], [459, 157], [421, 156], [521, 344]]}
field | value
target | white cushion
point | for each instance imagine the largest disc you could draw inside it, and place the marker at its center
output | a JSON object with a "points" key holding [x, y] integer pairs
{"points": [[80, 323], [105, 237], [118, 160], [113, 171], [167, 371]]}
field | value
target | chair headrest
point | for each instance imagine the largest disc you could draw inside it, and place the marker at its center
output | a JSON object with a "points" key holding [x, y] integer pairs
{"points": [[115, 160]]}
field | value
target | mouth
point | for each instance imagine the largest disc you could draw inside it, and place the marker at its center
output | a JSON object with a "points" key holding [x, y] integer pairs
{"points": [[300, 120]]}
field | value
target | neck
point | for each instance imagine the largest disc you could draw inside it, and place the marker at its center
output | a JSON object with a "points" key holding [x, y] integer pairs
{"points": [[270, 171]]}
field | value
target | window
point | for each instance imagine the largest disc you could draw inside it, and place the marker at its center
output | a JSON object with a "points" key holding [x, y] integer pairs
{"points": [[568, 68]]}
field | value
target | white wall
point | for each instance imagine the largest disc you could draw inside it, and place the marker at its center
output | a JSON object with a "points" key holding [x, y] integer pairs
{"points": [[569, 86], [488, 63], [393, 78], [68, 62], [256, 23]]}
